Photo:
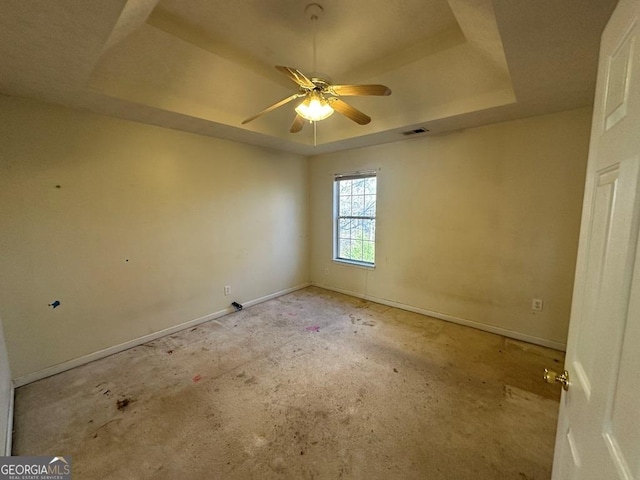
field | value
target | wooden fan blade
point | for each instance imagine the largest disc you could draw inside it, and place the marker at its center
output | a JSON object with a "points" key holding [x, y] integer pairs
{"points": [[297, 124], [349, 112], [354, 90], [297, 76], [273, 107]]}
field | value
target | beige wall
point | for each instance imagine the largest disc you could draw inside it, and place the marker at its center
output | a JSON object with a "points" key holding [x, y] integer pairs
{"points": [[472, 225], [147, 227]]}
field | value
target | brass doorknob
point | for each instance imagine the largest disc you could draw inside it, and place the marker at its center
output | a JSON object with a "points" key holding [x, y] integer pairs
{"points": [[552, 377]]}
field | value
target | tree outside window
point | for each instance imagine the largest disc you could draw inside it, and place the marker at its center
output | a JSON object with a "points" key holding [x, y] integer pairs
{"points": [[355, 207]]}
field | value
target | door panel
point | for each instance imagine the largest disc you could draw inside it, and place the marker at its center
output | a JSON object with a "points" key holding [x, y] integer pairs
{"points": [[596, 260], [618, 79]]}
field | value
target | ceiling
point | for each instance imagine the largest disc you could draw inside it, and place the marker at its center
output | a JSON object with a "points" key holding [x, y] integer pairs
{"points": [[205, 65]]}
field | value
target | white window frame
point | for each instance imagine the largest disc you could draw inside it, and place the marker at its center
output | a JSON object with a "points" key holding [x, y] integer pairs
{"points": [[337, 217]]}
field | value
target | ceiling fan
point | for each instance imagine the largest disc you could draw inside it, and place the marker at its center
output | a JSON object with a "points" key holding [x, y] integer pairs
{"points": [[321, 99]]}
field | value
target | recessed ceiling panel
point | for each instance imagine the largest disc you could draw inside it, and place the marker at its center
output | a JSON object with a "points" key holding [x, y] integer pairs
{"points": [[349, 33]]}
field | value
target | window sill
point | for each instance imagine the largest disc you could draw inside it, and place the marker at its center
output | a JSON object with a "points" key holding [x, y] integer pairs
{"points": [[355, 263]]}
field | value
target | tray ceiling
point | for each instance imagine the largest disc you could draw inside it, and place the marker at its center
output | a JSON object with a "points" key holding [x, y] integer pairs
{"points": [[205, 65]]}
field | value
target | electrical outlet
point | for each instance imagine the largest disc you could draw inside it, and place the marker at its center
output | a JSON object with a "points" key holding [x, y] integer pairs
{"points": [[326, 270], [227, 289], [536, 305]]}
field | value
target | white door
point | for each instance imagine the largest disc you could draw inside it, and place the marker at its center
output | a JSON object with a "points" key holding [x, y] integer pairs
{"points": [[599, 426], [6, 398]]}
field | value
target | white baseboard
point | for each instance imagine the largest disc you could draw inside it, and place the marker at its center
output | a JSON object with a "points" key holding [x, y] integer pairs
{"points": [[9, 433], [250, 303], [76, 362], [450, 318]]}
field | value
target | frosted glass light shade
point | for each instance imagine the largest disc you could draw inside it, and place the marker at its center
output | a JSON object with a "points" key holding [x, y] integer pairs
{"points": [[315, 107]]}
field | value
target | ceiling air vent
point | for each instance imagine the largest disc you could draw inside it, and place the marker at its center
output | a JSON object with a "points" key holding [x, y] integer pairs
{"points": [[415, 132]]}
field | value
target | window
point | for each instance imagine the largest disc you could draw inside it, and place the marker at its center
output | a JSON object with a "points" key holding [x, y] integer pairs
{"points": [[355, 214]]}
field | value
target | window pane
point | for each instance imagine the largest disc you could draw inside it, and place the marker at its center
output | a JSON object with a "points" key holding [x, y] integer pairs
{"points": [[344, 187], [369, 253], [357, 205], [344, 248], [356, 230], [344, 228], [345, 205], [356, 250], [369, 209], [368, 230], [370, 185], [358, 186]]}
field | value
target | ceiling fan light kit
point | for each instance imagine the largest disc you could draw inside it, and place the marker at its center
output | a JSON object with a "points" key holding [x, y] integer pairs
{"points": [[314, 108], [321, 98]]}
